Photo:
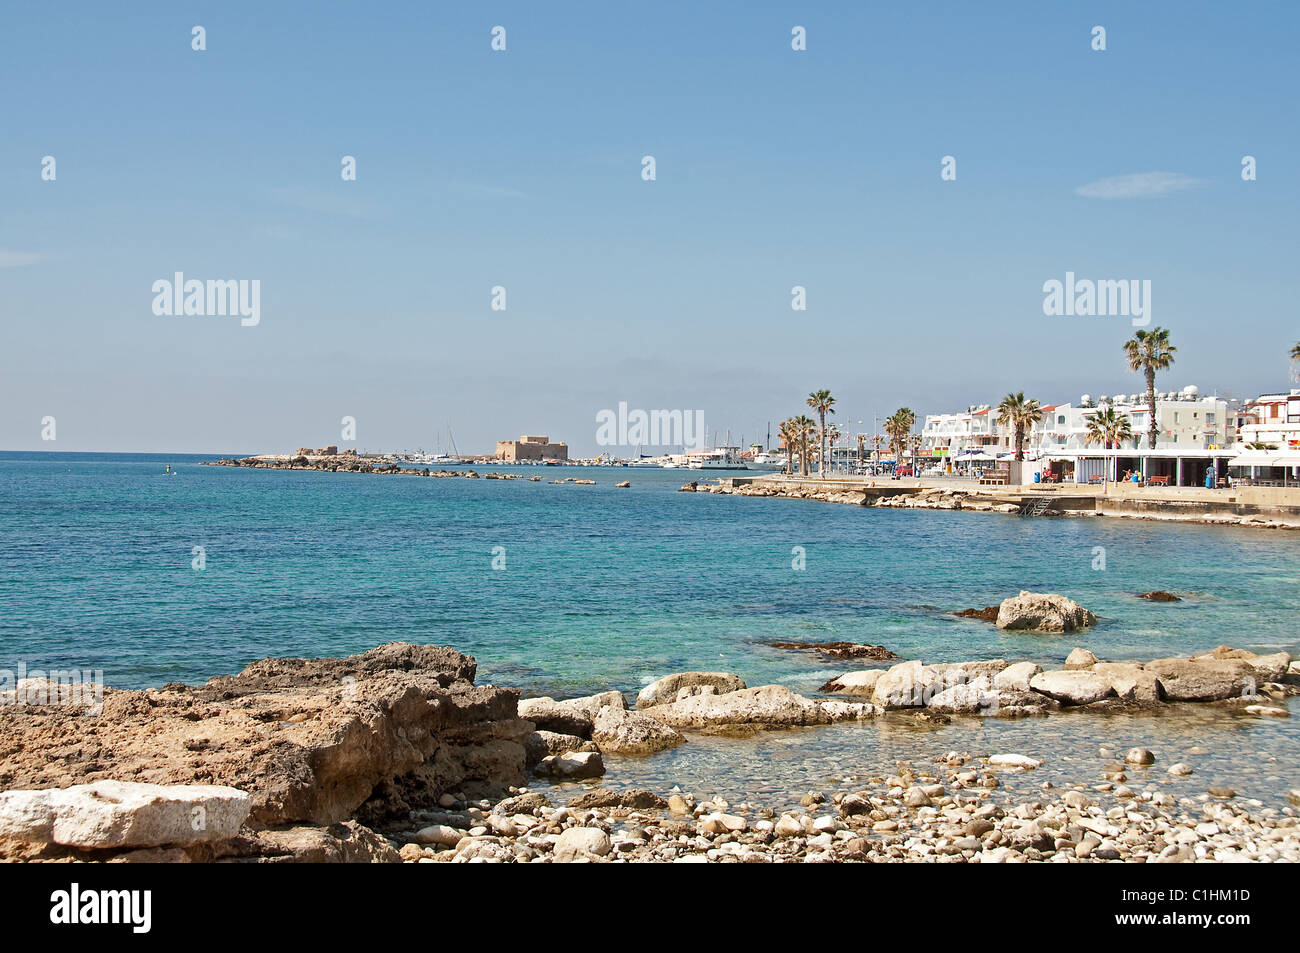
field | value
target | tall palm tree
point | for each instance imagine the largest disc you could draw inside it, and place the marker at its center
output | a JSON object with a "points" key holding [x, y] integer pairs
{"points": [[1295, 353], [822, 404], [1150, 351], [1021, 415], [897, 426], [832, 433], [804, 427], [1108, 428], [914, 441], [786, 430]]}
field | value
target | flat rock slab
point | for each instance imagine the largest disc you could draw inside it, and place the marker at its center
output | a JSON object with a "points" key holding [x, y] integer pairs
{"points": [[1204, 679], [769, 706], [124, 814], [1072, 687]]}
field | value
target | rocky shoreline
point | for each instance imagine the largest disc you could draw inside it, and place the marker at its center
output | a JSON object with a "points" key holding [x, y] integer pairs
{"points": [[968, 499], [396, 755]]}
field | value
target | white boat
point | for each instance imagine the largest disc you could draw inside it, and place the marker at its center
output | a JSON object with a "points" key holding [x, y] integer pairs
{"points": [[767, 460], [722, 458]]}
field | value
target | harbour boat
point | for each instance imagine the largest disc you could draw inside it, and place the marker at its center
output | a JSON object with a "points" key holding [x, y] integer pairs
{"points": [[721, 458], [766, 460]]}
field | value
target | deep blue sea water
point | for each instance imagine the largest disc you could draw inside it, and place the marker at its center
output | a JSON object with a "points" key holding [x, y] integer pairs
{"points": [[602, 587]]}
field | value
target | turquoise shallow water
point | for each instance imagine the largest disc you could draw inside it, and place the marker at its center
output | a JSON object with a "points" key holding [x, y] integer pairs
{"points": [[602, 587]]}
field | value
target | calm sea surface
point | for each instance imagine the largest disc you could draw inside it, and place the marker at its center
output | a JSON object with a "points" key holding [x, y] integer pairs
{"points": [[609, 588]]}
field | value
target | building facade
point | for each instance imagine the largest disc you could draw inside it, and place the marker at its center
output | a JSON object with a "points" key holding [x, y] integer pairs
{"points": [[1271, 419], [1184, 421]]}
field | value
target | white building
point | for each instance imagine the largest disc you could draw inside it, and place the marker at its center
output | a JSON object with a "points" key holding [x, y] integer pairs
{"points": [[1184, 420], [952, 434], [1272, 419]]}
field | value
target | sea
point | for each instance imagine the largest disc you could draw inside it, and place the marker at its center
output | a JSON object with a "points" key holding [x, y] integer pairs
{"points": [[155, 569]]}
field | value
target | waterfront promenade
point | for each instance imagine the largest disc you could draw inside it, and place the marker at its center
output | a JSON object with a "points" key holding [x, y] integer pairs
{"points": [[1266, 506]]}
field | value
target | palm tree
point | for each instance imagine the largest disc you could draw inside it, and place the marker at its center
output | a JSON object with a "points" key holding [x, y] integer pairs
{"points": [[788, 435], [1150, 351], [897, 426], [822, 404], [832, 434], [1021, 415], [914, 441], [1108, 428], [804, 427], [1295, 353]]}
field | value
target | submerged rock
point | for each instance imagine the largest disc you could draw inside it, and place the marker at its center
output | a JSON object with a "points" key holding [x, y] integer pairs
{"points": [[842, 650], [1158, 595], [1043, 612], [987, 614], [635, 800]]}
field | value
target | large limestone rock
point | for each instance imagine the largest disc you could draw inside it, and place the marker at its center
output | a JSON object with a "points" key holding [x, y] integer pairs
{"points": [[861, 683], [683, 684], [914, 685], [549, 715], [977, 697], [1267, 668], [572, 766], [592, 705], [1205, 679], [312, 741], [628, 732], [1072, 687], [960, 673], [1015, 677], [124, 814], [1131, 681], [769, 706], [906, 685], [1043, 612]]}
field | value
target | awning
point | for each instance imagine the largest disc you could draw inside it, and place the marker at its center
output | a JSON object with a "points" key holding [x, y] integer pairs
{"points": [[1266, 458]]}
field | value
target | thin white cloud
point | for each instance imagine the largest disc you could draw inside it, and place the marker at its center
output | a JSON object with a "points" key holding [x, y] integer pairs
{"points": [[17, 259], [1138, 185], [330, 203], [477, 190]]}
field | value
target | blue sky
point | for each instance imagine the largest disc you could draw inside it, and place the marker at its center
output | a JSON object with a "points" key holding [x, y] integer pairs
{"points": [[522, 168]]}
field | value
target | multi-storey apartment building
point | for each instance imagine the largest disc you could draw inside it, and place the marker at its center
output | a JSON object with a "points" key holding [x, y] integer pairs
{"points": [[1271, 419]]}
